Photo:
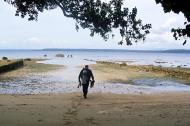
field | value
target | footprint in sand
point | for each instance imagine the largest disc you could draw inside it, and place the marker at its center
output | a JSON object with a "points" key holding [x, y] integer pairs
{"points": [[67, 123], [40, 120], [91, 120]]}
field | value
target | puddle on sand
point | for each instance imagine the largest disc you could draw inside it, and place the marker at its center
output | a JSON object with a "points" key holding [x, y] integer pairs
{"points": [[144, 86], [161, 85]]}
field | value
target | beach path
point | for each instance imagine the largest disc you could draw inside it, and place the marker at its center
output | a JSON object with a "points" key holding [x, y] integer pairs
{"points": [[98, 110]]}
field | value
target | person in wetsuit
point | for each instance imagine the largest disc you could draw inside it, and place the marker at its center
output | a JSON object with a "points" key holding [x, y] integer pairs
{"points": [[84, 78]]}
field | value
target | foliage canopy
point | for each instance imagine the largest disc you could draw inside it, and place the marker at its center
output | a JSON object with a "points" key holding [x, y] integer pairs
{"points": [[178, 6], [102, 17], [97, 16]]}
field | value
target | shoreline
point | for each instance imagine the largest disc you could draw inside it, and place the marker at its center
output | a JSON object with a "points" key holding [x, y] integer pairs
{"points": [[37, 78]]}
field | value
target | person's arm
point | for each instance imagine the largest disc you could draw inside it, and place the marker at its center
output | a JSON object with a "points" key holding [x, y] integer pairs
{"points": [[92, 76], [93, 81], [80, 74]]}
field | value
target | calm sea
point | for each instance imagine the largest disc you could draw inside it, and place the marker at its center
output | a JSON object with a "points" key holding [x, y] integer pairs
{"points": [[162, 58]]}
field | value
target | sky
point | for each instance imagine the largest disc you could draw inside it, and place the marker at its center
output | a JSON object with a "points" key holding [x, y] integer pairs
{"points": [[53, 30]]}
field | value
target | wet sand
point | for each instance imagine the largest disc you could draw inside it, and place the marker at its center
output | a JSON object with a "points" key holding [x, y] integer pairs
{"points": [[98, 110]]}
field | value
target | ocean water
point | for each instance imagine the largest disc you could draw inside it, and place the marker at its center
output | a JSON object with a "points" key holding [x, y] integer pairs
{"points": [[65, 80], [158, 58]]}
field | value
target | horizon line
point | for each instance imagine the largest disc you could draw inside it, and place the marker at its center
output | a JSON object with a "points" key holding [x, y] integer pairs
{"points": [[44, 49]]}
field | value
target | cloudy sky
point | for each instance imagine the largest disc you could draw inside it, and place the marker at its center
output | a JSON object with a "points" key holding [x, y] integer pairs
{"points": [[53, 30]]}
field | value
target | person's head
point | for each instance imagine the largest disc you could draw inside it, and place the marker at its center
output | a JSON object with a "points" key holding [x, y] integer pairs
{"points": [[86, 66]]}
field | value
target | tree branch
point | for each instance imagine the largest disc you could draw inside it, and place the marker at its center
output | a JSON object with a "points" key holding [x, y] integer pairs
{"points": [[62, 8]]}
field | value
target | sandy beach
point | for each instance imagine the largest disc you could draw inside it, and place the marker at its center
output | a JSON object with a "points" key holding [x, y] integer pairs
{"points": [[98, 110]]}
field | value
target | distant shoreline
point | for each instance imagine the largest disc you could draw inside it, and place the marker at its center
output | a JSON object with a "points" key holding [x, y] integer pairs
{"points": [[105, 50]]}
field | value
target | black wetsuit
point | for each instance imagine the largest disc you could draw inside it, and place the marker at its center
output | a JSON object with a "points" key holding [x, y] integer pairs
{"points": [[84, 76]]}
